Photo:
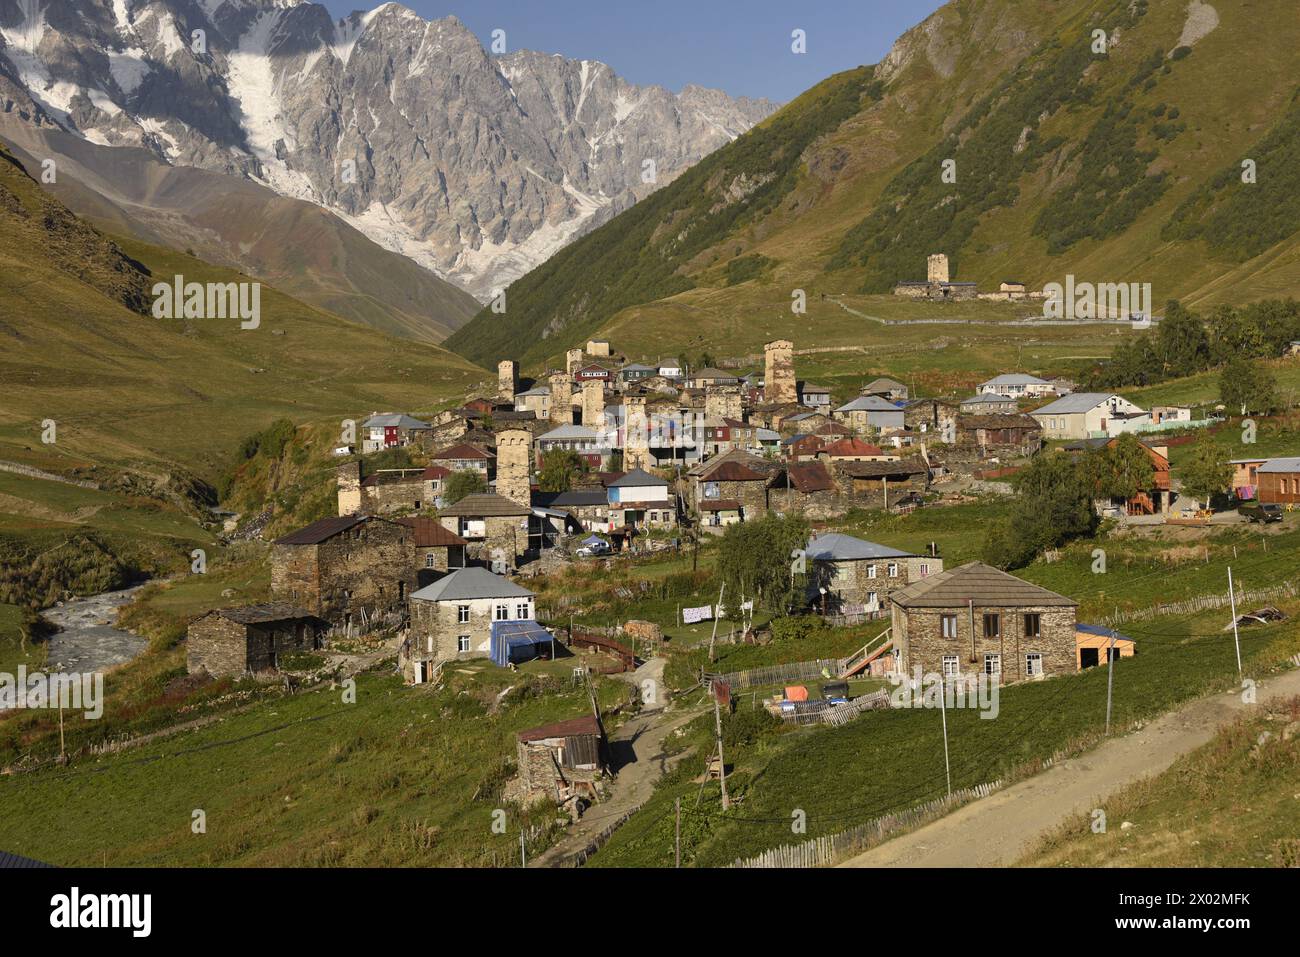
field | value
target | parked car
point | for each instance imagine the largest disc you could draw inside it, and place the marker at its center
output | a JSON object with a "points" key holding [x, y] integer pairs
{"points": [[835, 692], [1260, 512], [594, 550]]}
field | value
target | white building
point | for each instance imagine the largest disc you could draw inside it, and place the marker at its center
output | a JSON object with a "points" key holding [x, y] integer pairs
{"points": [[1086, 415], [1017, 384]]}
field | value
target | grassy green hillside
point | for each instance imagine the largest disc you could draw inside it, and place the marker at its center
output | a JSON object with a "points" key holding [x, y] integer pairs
{"points": [[126, 389], [1115, 166]]}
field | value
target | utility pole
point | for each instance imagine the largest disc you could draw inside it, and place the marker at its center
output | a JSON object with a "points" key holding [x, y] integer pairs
{"points": [[1110, 676], [523, 854], [943, 711], [1236, 638], [716, 613], [677, 843], [722, 761]]}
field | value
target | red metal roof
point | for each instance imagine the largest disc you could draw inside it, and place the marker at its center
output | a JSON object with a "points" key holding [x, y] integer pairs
{"points": [[430, 533]]}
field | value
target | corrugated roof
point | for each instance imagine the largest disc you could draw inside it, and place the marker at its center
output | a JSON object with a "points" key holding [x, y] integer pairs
{"points": [[637, 478], [587, 724], [320, 530], [9, 860], [809, 477], [865, 470], [1016, 378], [570, 433], [1077, 402], [985, 397], [853, 446], [720, 505], [461, 451], [735, 472], [868, 403], [484, 504], [984, 584], [391, 419], [1290, 464], [467, 584], [430, 533], [836, 547], [577, 498]]}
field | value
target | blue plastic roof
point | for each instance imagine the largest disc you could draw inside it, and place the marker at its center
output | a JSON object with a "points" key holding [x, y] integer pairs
{"points": [[517, 641]]}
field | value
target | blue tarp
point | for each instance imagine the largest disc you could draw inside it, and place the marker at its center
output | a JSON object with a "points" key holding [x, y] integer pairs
{"points": [[594, 540], [519, 641]]}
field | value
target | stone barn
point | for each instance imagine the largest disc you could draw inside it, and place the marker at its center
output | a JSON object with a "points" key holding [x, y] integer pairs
{"points": [[347, 570], [239, 641], [562, 760]]}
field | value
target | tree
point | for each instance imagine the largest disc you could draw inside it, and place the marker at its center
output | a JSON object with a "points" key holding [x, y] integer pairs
{"points": [[461, 484], [559, 468], [1248, 386], [1053, 505], [1204, 475], [755, 560], [1182, 342], [1121, 469]]}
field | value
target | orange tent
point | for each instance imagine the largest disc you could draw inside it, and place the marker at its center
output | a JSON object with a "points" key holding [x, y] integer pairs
{"points": [[796, 693]]}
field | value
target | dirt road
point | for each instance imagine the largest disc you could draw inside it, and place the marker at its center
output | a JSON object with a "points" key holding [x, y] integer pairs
{"points": [[637, 751], [997, 830]]}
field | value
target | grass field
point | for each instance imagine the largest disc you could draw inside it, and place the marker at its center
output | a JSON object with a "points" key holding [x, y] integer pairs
{"points": [[403, 777], [1231, 803]]}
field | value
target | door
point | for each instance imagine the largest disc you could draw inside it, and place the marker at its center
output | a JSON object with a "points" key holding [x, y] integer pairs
{"points": [[1089, 657]]}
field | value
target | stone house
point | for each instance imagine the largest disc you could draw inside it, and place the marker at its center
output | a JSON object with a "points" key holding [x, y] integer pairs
{"points": [[977, 619], [854, 450], [438, 550], [718, 513], [805, 487], [561, 760], [453, 619], [249, 640], [734, 483], [390, 429], [869, 414], [390, 490], [1006, 435], [986, 403], [889, 389], [639, 499], [346, 569], [589, 507], [495, 528], [592, 445], [883, 484], [858, 576], [465, 457], [816, 397], [931, 416], [536, 400]]}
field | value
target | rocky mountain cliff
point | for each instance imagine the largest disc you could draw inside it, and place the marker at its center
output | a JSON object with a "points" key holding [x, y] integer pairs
{"points": [[477, 166]]}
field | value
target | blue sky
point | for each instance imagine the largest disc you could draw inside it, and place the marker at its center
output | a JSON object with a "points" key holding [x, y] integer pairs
{"points": [[741, 46]]}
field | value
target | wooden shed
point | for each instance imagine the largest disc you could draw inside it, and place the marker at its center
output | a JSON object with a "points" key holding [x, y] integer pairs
{"points": [[562, 759]]}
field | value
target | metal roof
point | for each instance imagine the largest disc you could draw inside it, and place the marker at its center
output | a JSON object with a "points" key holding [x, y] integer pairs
{"points": [[398, 419], [484, 504], [836, 547], [1291, 464], [320, 530], [1076, 403], [983, 584], [587, 724], [430, 533], [467, 584], [868, 403], [637, 478], [263, 614], [570, 432], [1016, 378], [989, 397]]}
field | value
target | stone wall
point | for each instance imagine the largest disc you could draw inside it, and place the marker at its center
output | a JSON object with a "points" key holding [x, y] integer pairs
{"points": [[219, 646], [370, 566], [561, 410], [919, 632], [593, 405], [514, 465], [723, 402], [778, 366], [850, 582], [349, 488], [507, 380]]}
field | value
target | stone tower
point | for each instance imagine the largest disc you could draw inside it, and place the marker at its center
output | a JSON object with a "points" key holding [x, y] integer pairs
{"points": [[507, 380], [778, 374], [723, 402], [573, 360], [561, 398], [349, 481], [593, 405], [515, 465], [636, 434], [937, 267]]}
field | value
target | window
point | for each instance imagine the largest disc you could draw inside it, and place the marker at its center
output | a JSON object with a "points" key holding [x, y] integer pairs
{"points": [[873, 601], [948, 625], [1033, 664], [992, 626], [503, 613], [871, 571], [951, 668], [1033, 626], [429, 644], [925, 570], [462, 614], [521, 610], [429, 560], [893, 569], [993, 664], [462, 643]]}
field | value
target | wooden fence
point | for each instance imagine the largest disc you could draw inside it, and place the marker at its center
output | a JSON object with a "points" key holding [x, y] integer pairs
{"points": [[1191, 606], [823, 851], [836, 714], [780, 674]]}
